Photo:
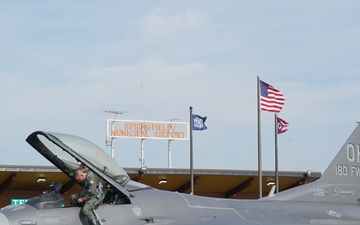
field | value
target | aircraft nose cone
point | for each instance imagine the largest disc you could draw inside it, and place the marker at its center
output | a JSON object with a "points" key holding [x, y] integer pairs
{"points": [[3, 220]]}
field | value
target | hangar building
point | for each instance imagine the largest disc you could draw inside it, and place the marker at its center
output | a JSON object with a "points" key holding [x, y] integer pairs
{"points": [[19, 183]]}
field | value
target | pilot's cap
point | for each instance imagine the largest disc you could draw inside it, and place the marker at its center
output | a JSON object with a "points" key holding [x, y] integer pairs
{"points": [[83, 168]]}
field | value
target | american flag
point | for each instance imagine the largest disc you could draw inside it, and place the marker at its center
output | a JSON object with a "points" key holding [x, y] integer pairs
{"points": [[271, 100], [282, 125]]}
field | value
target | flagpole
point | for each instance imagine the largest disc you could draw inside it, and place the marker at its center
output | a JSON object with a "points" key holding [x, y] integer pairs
{"points": [[276, 155], [191, 151], [259, 139]]}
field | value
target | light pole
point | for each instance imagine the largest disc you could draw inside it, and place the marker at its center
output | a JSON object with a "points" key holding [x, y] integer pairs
{"points": [[115, 113], [169, 146]]}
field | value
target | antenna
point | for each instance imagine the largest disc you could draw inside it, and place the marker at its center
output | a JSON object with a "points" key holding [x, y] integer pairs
{"points": [[115, 113], [141, 98]]}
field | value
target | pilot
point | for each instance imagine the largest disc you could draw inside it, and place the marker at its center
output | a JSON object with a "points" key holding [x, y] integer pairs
{"points": [[81, 167], [91, 196]]}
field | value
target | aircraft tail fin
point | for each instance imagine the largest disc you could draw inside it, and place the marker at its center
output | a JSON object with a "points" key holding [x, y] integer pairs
{"points": [[345, 168], [339, 183]]}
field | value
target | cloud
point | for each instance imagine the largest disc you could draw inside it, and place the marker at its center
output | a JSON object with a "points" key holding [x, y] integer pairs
{"points": [[159, 26]]}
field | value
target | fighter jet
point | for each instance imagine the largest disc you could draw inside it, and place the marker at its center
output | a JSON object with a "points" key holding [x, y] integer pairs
{"points": [[332, 199]]}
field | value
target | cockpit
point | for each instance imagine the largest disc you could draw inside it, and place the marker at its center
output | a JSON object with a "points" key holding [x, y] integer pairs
{"points": [[68, 153]]}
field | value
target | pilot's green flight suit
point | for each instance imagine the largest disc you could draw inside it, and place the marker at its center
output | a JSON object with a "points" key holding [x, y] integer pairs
{"points": [[93, 188]]}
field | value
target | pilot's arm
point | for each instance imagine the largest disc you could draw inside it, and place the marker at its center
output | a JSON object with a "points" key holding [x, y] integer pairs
{"points": [[91, 191]]}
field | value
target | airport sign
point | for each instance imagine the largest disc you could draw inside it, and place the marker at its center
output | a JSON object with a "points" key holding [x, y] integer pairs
{"points": [[147, 129]]}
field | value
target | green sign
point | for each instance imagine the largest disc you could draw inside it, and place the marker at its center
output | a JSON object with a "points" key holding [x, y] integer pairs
{"points": [[18, 201]]}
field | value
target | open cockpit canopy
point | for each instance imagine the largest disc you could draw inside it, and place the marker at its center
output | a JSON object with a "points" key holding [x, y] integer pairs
{"points": [[69, 152]]}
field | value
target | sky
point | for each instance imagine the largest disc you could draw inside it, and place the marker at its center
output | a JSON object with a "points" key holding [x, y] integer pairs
{"points": [[63, 63]]}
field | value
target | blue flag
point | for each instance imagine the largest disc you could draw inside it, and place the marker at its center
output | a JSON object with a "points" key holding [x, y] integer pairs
{"points": [[199, 122]]}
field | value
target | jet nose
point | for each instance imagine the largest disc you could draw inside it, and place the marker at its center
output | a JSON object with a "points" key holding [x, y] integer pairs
{"points": [[3, 220]]}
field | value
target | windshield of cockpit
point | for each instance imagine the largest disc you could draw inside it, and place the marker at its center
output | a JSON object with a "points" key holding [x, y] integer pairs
{"points": [[89, 151]]}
